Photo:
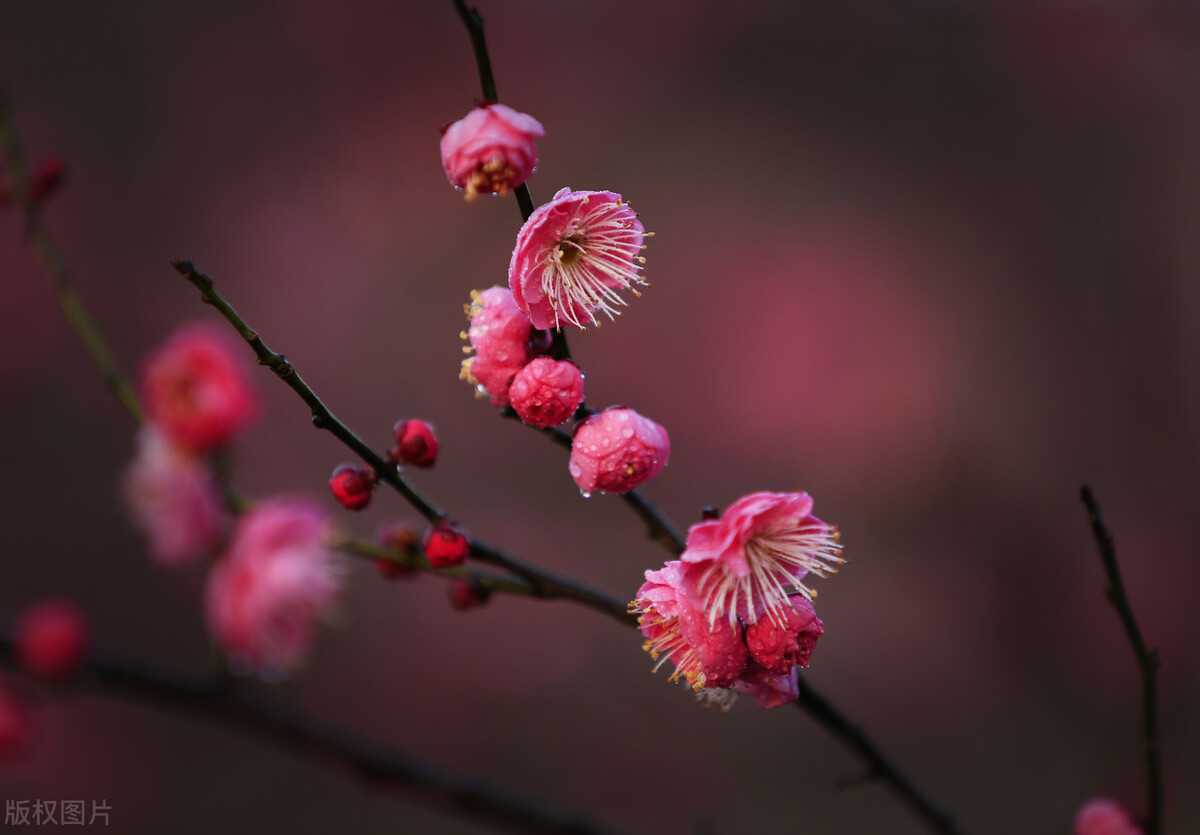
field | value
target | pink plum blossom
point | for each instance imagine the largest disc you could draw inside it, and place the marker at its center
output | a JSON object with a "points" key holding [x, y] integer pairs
{"points": [[490, 150], [503, 341], [276, 579], [678, 630], [778, 647], [197, 389], [743, 564], [173, 497], [1104, 816], [616, 450], [547, 391], [573, 255]]}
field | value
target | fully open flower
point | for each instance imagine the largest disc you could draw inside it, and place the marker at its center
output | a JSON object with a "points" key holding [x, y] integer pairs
{"points": [[743, 564], [267, 591], [173, 497], [503, 341], [573, 255], [706, 655], [197, 389], [616, 450], [490, 150]]}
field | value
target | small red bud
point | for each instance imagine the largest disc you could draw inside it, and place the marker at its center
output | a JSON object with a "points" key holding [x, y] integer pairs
{"points": [[51, 638], [416, 443], [445, 546], [352, 486], [46, 177], [467, 594]]}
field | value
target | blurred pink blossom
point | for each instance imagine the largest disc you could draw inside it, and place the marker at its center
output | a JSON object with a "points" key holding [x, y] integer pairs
{"points": [[276, 579], [546, 392], [490, 150], [743, 563], [573, 255], [174, 499], [503, 340], [1104, 816], [197, 389], [616, 450]]}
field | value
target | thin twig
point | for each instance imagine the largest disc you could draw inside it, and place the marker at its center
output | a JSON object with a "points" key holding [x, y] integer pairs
{"points": [[658, 527], [1147, 660], [111, 674], [44, 248], [542, 583]]}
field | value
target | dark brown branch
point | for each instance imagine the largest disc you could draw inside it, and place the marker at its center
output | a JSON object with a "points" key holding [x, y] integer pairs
{"points": [[542, 583], [113, 675]]}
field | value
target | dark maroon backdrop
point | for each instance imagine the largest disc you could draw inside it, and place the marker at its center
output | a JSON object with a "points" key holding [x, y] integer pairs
{"points": [[933, 262]]}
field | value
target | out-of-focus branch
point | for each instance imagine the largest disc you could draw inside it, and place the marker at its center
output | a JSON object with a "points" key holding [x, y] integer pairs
{"points": [[541, 583], [113, 675], [1147, 660], [44, 248]]}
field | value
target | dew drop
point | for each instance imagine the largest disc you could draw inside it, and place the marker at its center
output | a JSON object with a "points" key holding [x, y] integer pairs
{"points": [[585, 493], [627, 432]]}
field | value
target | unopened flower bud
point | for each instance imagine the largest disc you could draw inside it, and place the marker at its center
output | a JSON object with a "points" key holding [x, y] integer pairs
{"points": [[416, 443], [466, 594], [445, 546], [547, 391], [616, 450], [782, 641], [352, 486], [490, 150], [51, 638]]}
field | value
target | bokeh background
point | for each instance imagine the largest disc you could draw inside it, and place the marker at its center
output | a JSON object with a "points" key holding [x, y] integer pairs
{"points": [[934, 262]]}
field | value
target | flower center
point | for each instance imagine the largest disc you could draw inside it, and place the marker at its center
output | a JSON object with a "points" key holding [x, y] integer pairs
{"points": [[571, 249]]}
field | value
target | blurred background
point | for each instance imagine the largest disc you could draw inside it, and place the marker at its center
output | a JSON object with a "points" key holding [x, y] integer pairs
{"points": [[934, 262]]}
